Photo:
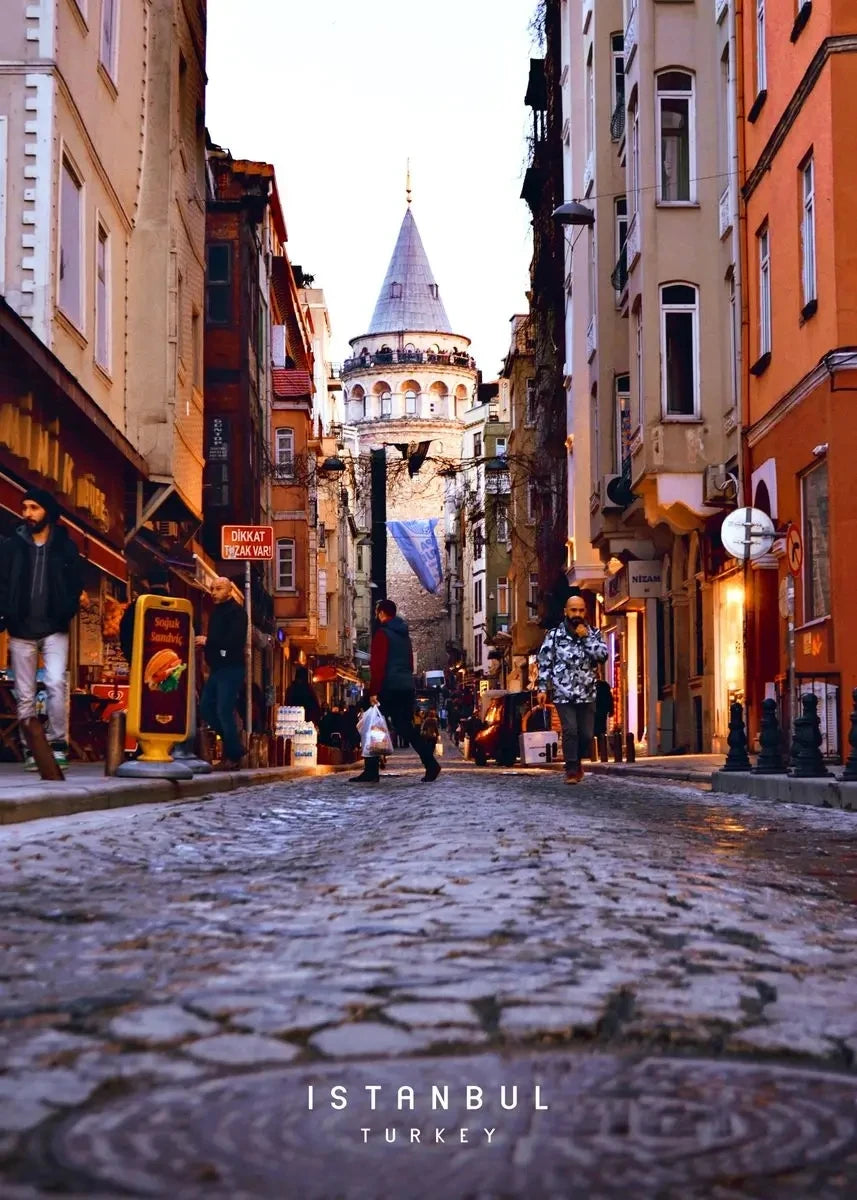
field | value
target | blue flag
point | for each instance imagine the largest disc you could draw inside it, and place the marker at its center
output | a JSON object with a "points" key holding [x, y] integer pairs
{"points": [[418, 544]]}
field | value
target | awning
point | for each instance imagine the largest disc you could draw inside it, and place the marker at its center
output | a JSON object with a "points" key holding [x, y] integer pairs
{"points": [[324, 675]]}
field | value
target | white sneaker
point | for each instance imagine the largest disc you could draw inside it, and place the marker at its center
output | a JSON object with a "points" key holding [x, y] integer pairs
{"points": [[29, 762]]}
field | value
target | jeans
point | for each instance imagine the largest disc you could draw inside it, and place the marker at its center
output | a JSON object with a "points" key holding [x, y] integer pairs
{"points": [[218, 707], [24, 655], [398, 708], [578, 721]]}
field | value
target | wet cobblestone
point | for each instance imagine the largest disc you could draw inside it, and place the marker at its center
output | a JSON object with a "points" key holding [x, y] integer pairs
{"points": [[152, 957]]}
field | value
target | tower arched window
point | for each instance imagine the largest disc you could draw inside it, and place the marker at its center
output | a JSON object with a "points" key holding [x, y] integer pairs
{"points": [[386, 404], [410, 402]]}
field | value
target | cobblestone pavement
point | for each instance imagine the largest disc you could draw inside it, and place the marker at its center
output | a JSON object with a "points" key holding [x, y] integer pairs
{"points": [[675, 971]]}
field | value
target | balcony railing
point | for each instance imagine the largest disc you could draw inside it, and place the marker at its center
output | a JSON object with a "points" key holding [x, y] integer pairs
{"points": [[394, 358], [631, 37], [619, 278], [617, 121], [726, 210], [632, 242]]}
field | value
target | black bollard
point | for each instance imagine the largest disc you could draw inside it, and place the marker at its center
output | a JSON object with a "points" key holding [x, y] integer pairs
{"points": [[770, 761], [736, 759], [850, 772], [602, 747], [630, 748], [807, 762], [617, 746]]}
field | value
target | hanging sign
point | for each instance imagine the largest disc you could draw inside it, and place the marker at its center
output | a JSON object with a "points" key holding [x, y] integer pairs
{"points": [[418, 543]]}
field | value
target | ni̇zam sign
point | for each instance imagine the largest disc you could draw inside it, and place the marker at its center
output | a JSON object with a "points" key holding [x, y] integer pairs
{"points": [[247, 543]]}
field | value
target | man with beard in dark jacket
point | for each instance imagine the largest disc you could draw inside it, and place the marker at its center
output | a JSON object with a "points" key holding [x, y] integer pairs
{"points": [[391, 665], [224, 652], [40, 586]]}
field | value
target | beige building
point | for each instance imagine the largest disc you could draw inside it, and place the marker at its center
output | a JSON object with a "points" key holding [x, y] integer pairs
{"points": [[102, 216], [517, 387], [650, 304]]}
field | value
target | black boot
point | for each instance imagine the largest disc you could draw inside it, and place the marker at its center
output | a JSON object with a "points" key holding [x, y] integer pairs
{"points": [[432, 771], [371, 772]]}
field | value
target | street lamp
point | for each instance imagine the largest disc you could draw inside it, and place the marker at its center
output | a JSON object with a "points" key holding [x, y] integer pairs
{"points": [[573, 213], [333, 465]]}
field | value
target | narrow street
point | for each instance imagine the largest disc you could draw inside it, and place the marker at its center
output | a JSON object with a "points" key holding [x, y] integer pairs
{"points": [[674, 970]]}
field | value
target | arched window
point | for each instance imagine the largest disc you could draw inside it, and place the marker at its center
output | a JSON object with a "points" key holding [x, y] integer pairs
{"points": [[285, 565], [410, 402], [358, 404], [386, 404], [676, 134], [679, 350]]}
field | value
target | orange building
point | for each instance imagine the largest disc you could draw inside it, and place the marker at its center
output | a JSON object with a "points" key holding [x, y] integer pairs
{"points": [[797, 115]]}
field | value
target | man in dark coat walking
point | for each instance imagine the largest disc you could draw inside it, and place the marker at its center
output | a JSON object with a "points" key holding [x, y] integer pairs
{"points": [[224, 653], [391, 666], [40, 585]]}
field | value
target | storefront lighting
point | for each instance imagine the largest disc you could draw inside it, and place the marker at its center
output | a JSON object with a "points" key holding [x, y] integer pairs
{"points": [[735, 594]]}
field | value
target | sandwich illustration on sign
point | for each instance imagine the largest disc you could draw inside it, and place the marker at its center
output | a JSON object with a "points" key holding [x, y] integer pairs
{"points": [[164, 671]]}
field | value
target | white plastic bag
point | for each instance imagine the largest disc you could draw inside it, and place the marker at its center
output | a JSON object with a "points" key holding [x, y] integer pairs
{"points": [[374, 734]]}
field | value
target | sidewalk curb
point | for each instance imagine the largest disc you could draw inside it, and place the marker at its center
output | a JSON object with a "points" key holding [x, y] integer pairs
{"points": [[661, 776], [31, 804], [827, 792]]}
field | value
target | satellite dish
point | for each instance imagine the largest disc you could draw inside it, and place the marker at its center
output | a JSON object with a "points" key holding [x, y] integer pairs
{"points": [[747, 533]]}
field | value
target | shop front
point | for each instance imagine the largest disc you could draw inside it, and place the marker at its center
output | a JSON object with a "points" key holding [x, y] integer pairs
{"points": [[633, 629], [52, 435]]}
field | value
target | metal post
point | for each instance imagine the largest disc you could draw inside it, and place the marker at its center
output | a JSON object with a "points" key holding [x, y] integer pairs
{"points": [[651, 677], [792, 684], [379, 525], [248, 654]]}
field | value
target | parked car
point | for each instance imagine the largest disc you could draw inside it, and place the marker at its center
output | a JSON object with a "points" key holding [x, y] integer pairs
{"points": [[504, 723]]}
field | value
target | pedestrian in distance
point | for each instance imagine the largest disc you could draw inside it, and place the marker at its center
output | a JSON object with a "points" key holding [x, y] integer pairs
{"points": [[391, 685], [300, 694], [568, 671], [430, 728], [224, 654], [41, 581]]}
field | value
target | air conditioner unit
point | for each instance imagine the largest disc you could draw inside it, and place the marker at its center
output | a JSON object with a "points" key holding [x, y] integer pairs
{"points": [[715, 485], [616, 493]]}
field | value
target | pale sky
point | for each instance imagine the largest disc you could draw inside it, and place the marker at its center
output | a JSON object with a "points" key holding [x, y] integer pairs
{"points": [[337, 94]]}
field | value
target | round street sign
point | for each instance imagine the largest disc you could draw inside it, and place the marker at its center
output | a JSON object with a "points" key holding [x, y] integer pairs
{"points": [[747, 533], [794, 549]]}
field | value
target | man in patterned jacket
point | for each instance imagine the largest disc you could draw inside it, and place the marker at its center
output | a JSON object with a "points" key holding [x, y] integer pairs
{"points": [[568, 669]]}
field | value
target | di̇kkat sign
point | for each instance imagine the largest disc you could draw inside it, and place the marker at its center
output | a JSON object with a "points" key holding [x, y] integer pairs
{"points": [[247, 543]]}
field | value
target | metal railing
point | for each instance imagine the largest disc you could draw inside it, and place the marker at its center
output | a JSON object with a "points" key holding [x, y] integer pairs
{"points": [[617, 121], [619, 276], [393, 358]]}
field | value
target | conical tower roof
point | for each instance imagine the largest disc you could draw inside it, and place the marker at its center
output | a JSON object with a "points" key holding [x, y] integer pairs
{"points": [[410, 298]]}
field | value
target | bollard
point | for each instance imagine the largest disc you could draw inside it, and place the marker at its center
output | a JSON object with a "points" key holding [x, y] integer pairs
{"points": [[115, 742], [602, 747], [38, 746], [850, 771], [630, 749], [770, 760], [807, 762], [617, 746], [737, 758]]}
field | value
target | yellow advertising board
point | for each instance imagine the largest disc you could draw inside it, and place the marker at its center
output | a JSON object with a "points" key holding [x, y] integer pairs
{"points": [[159, 698]]}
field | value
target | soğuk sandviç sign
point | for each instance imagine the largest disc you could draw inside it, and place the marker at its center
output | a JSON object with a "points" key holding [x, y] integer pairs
{"points": [[159, 697]]}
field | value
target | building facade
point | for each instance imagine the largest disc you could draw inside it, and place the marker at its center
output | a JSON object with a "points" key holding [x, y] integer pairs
{"points": [[798, 70], [408, 381]]}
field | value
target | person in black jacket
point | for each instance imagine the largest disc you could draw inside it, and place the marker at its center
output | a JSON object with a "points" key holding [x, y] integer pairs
{"points": [[40, 585], [301, 695], [224, 653]]}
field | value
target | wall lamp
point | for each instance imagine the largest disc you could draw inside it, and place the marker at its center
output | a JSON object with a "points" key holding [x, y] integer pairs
{"points": [[573, 213]]}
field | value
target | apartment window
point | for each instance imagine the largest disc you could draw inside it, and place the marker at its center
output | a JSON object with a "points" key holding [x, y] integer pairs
{"points": [[808, 231], [102, 297], [680, 350], [180, 317], [410, 402], [196, 348], [218, 283], [478, 541], [617, 55], [724, 119], [533, 597], [590, 104], [71, 265], [477, 445], [595, 457], [285, 453], [676, 136], [532, 503], [623, 421], [109, 36], [620, 227], [322, 599], [322, 537], [530, 410], [477, 596], [734, 339], [593, 274], [638, 353], [500, 448], [503, 595], [286, 565], [635, 157], [477, 650], [502, 524], [761, 49], [816, 532], [386, 404], [764, 242]]}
